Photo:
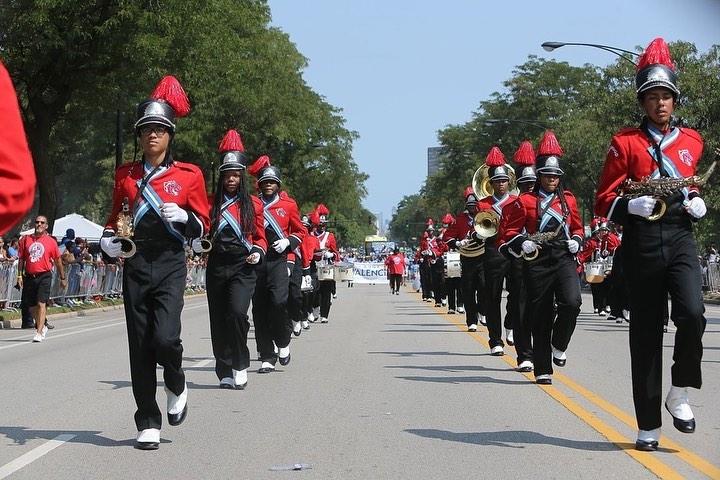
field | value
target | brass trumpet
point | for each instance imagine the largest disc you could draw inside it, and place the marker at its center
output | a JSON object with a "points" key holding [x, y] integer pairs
{"points": [[660, 188], [124, 231]]}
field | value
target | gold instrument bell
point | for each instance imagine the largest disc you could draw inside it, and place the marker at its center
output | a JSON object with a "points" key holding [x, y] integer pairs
{"points": [[481, 181], [486, 224], [124, 228]]}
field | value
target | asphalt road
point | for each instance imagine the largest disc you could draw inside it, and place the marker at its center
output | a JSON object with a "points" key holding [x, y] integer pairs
{"points": [[390, 388]]}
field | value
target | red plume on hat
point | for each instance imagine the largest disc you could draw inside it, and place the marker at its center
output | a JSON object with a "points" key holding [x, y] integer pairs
{"points": [[448, 219], [549, 145], [322, 209], [262, 162], [170, 90], [656, 53], [468, 191], [495, 157], [430, 223], [231, 142], [525, 155], [314, 218]]}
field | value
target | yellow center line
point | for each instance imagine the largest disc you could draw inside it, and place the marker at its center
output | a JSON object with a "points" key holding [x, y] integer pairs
{"points": [[646, 459]]}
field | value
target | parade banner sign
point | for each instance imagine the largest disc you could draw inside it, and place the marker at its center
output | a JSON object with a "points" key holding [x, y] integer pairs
{"points": [[370, 272]]}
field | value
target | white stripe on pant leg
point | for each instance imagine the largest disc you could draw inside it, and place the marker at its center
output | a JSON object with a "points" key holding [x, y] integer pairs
{"points": [[12, 467]]}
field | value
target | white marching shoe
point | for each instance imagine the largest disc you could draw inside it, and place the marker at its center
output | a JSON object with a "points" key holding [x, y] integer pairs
{"points": [[525, 366], [482, 319], [176, 406], [323, 320], [461, 309], [497, 351], [316, 312], [227, 383], [679, 407], [284, 355], [297, 328], [509, 336], [311, 317], [558, 357], [647, 440], [305, 325], [240, 378], [472, 328], [148, 439]]}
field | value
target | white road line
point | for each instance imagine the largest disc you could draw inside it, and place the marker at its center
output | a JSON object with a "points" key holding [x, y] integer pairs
{"points": [[60, 335], [26, 459], [204, 363]]}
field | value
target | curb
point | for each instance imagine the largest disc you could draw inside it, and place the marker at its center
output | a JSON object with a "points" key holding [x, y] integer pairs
{"points": [[16, 323]]}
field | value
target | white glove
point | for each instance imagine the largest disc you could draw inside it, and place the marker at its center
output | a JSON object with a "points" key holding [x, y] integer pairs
{"points": [[281, 245], [573, 246], [641, 206], [253, 258], [172, 213], [528, 246], [462, 243], [196, 245], [111, 246], [329, 254], [696, 207]]}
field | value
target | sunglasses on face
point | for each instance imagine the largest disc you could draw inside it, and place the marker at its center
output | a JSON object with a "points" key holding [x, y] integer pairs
{"points": [[40, 222], [158, 130]]}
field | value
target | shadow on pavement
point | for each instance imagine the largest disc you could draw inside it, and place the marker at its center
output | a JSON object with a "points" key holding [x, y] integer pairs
{"points": [[476, 379], [451, 368], [421, 354], [21, 435], [519, 438]]}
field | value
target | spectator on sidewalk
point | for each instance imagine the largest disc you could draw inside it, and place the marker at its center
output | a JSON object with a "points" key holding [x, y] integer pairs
{"points": [[13, 248], [38, 252]]}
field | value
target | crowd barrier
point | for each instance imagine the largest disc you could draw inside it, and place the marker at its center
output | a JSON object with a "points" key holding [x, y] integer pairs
{"points": [[88, 282], [711, 277]]}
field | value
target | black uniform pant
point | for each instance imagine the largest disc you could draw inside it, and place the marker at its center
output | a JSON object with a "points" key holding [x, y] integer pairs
{"points": [[516, 305], [426, 279], [454, 292], [600, 294], [617, 287], [438, 284], [495, 268], [309, 296], [295, 295], [324, 297], [660, 259], [230, 286], [269, 309], [153, 288], [472, 279], [552, 277]]}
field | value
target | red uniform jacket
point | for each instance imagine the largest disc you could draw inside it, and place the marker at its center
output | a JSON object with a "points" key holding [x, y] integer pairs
{"points": [[606, 246], [492, 204], [282, 220], [17, 174], [436, 246], [632, 156], [257, 240], [459, 230], [181, 183], [308, 248], [395, 264], [327, 242], [521, 218]]}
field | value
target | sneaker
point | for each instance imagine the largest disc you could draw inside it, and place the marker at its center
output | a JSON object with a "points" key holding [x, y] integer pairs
{"points": [[461, 309], [451, 312], [497, 351], [305, 325], [525, 366], [44, 331], [545, 379], [37, 338], [472, 328], [509, 336]]}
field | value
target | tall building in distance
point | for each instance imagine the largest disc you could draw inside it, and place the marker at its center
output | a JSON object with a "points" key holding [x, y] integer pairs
{"points": [[434, 157]]}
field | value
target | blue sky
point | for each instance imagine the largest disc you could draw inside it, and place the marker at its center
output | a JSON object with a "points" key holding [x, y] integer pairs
{"points": [[401, 70]]}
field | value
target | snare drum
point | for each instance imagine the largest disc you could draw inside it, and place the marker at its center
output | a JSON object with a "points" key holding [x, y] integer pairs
{"points": [[326, 272], [595, 272], [306, 285], [452, 264], [344, 273], [608, 265]]}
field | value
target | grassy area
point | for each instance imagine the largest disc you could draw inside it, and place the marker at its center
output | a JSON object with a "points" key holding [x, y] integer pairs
{"points": [[8, 315]]}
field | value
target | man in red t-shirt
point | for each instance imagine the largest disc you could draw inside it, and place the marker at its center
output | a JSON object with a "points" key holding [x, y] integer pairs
{"points": [[37, 253]]}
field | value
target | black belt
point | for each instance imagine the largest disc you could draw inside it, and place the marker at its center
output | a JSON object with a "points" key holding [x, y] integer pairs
{"points": [[36, 275]]}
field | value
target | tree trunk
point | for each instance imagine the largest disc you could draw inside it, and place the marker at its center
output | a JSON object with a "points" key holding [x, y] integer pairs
{"points": [[38, 131]]}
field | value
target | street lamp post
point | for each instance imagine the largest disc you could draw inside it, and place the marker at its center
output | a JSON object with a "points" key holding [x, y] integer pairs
{"points": [[550, 46]]}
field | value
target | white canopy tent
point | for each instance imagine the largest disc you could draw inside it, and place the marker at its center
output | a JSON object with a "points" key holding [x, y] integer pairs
{"points": [[83, 227]]}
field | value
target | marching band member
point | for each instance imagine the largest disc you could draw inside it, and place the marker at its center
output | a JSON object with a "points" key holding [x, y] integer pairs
{"points": [[168, 203], [524, 157], [453, 289], [598, 248], [552, 275], [495, 265], [660, 256], [433, 249], [425, 258], [461, 236], [284, 233], [308, 248], [327, 255], [238, 244]]}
